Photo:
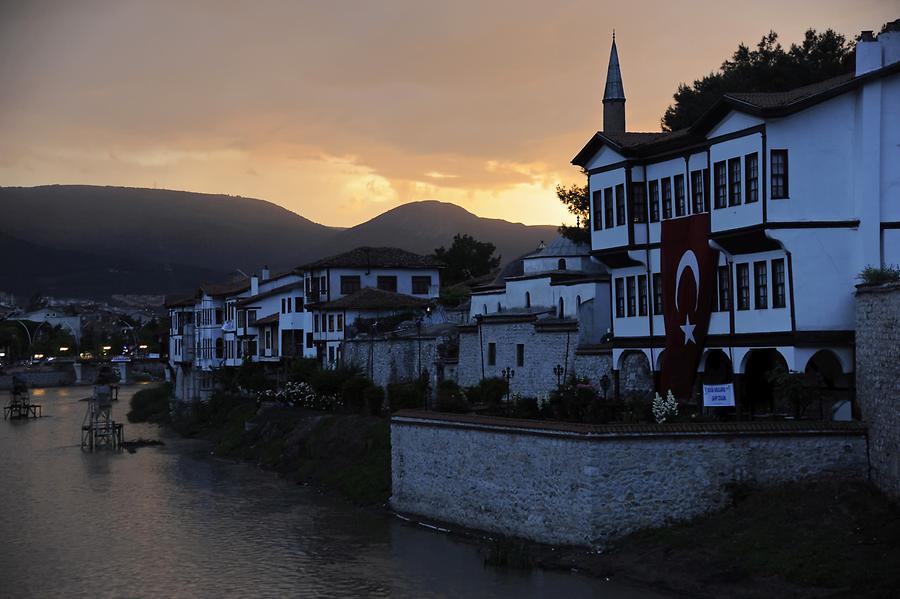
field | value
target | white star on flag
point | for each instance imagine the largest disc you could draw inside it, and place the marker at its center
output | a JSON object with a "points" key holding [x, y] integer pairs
{"points": [[688, 329]]}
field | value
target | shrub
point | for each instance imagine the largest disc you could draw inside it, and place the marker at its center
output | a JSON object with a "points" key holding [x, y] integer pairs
{"points": [[526, 407], [356, 392], [665, 409], [403, 396], [373, 397], [574, 401], [330, 381], [450, 398], [303, 369], [151, 405], [872, 275], [489, 391]]}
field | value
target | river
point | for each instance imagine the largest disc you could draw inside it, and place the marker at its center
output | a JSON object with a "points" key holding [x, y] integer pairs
{"points": [[172, 521]]}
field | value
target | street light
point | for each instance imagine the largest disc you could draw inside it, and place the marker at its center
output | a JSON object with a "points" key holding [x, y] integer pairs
{"points": [[508, 373], [558, 371]]}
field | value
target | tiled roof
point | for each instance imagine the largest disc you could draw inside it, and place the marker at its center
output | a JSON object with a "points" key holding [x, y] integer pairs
{"points": [[786, 98], [370, 298], [227, 288], [374, 257], [179, 301], [562, 246], [274, 291]]}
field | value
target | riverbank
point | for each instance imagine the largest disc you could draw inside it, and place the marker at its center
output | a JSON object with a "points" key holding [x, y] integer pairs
{"points": [[825, 538]]}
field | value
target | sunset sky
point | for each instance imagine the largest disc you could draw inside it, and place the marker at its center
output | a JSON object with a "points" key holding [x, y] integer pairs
{"points": [[341, 110]]}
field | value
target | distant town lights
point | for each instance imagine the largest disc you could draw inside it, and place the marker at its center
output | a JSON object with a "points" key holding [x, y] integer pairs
{"points": [[63, 348], [2, 354], [107, 347], [142, 346]]}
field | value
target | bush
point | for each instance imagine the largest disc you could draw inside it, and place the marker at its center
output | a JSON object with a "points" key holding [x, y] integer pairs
{"points": [[373, 397], [404, 396], [151, 405], [450, 398], [489, 391], [303, 369], [362, 396], [330, 381], [871, 275], [526, 407]]}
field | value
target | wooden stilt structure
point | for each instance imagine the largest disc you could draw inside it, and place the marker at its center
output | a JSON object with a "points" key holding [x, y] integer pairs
{"points": [[98, 429], [20, 406]]}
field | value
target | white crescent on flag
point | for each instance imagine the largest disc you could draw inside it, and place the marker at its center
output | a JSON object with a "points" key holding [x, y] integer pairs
{"points": [[688, 262]]}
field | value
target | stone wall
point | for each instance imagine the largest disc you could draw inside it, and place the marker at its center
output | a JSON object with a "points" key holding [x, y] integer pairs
{"points": [[392, 360], [51, 378], [576, 484], [878, 379], [545, 348]]}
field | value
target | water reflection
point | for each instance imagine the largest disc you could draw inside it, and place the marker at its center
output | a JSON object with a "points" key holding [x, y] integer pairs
{"points": [[171, 521]]}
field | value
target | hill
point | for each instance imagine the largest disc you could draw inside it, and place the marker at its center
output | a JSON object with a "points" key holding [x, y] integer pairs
{"points": [[97, 239], [423, 226]]}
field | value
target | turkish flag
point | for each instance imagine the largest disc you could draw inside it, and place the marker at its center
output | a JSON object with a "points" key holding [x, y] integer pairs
{"points": [[688, 268]]}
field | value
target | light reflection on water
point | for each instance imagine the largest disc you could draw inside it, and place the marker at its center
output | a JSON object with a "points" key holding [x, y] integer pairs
{"points": [[172, 522]]}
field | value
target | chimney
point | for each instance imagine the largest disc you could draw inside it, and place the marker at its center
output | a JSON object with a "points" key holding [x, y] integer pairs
{"points": [[264, 275], [874, 52], [254, 285], [614, 94]]}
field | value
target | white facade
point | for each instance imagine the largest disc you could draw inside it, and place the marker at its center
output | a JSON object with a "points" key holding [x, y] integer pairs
{"points": [[803, 189]]}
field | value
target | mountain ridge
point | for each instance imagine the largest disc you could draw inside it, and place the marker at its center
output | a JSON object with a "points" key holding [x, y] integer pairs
{"points": [[212, 233]]}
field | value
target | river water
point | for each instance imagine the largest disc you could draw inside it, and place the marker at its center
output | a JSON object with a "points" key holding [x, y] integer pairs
{"points": [[171, 521]]}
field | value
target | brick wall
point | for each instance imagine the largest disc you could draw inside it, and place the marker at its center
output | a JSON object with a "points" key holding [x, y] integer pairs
{"points": [[878, 379], [582, 485]]}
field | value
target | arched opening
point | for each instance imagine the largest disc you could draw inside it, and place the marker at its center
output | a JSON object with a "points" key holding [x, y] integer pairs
{"points": [[499, 307], [577, 301], [759, 388], [635, 376], [717, 370], [484, 308], [828, 387], [561, 312], [561, 265], [527, 299]]}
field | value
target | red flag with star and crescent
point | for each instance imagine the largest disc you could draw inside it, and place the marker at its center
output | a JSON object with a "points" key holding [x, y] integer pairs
{"points": [[688, 267]]}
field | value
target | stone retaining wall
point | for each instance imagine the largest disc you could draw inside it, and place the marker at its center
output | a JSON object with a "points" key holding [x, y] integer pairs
{"points": [[585, 485], [392, 360], [40, 379], [878, 379]]}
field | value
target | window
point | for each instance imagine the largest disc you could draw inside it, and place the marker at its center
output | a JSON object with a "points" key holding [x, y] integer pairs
{"points": [[608, 214], [654, 201], [657, 293], [561, 313], [421, 285], [520, 354], [331, 353], [288, 301], [620, 204], [349, 284], [680, 207], [631, 298], [268, 339], [721, 184], [638, 203], [316, 323], [667, 197], [761, 278], [492, 354], [734, 182], [323, 285], [620, 298], [743, 286], [642, 295], [309, 340], [313, 290], [340, 322], [778, 293], [723, 284], [561, 265], [298, 304], [220, 348], [251, 317], [527, 299], [283, 309], [218, 316], [331, 323], [697, 191], [596, 201], [779, 174], [751, 172], [387, 283], [242, 318]]}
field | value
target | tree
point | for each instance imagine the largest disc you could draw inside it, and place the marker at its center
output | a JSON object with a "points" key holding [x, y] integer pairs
{"points": [[466, 258], [577, 201], [768, 68]]}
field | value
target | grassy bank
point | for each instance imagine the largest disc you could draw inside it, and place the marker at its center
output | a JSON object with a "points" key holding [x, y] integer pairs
{"points": [[348, 453], [825, 538]]}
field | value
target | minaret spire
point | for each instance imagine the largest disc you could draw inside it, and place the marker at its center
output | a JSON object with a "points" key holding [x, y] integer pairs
{"points": [[614, 94]]}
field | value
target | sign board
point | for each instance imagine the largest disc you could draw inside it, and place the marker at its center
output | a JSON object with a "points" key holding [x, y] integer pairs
{"points": [[116, 359], [717, 396]]}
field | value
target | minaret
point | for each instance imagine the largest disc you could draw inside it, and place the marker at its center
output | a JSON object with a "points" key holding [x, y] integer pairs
{"points": [[614, 95]]}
